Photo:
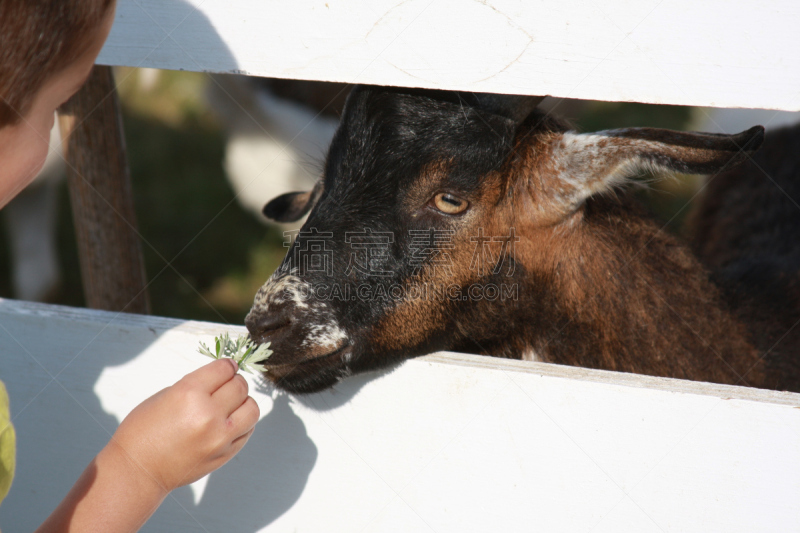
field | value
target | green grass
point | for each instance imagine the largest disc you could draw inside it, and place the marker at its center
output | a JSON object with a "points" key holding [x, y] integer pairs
{"points": [[607, 115], [205, 257], [196, 238]]}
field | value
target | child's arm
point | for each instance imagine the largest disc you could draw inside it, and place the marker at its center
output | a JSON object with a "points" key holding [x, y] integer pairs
{"points": [[171, 439]]}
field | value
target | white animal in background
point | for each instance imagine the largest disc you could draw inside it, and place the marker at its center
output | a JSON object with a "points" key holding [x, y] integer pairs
{"points": [[274, 144]]}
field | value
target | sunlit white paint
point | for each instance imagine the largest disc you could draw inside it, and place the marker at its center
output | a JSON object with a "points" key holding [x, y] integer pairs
{"points": [[637, 453], [655, 51]]}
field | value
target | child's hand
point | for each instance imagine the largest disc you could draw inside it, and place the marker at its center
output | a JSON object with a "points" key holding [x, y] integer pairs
{"points": [[189, 429]]}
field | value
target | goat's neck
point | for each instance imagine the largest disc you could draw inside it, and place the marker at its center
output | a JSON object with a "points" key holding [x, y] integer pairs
{"points": [[614, 291]]}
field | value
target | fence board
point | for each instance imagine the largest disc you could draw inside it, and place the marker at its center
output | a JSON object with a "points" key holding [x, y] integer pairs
{"points": [[710, 53], [448, 442]]}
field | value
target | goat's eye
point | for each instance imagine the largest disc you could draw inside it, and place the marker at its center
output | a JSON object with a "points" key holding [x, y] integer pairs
{"points": [[449, 204]]}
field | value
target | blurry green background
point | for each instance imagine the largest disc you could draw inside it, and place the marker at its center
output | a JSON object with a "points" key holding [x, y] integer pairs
{"points": [[205, 256]]}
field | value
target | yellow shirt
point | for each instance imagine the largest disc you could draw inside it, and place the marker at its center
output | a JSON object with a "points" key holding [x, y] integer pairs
{"points": [[7, 444]]}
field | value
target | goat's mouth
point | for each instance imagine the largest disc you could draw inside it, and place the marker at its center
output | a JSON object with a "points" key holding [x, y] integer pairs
{"points": [[311, 374], [315, 359]]}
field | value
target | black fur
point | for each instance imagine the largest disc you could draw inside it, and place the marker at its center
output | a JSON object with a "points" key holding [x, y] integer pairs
{"points": [[602, 286]]}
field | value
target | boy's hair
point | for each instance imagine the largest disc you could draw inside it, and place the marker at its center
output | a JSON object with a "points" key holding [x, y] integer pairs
{"points": [[38, 39]]}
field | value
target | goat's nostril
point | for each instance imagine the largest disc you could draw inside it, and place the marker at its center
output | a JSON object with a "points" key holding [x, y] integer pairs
{"points": [[259, 326]]}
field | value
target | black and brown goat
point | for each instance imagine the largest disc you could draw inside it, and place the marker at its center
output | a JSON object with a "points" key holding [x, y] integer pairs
{"points": [[475, 223]]}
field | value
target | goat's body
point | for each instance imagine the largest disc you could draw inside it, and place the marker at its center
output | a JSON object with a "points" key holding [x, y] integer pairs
{"points": [[627, 296], [747, 232]]}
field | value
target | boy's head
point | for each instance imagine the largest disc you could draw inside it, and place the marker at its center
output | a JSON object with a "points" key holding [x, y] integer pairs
{"points": [[47, 49]]}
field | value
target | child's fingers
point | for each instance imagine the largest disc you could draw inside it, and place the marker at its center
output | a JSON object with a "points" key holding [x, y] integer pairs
{"points": [[239, 442], [231, 395], [234, 447], [244, 419], [213, 375]]}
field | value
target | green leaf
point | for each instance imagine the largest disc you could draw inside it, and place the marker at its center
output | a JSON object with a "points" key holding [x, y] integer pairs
{"points": [[247, 355], [205, 351]]}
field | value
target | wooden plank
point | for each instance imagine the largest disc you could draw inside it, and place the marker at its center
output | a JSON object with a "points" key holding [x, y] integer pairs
{"points": [[112, 265], [709, 53], [448, 442]]}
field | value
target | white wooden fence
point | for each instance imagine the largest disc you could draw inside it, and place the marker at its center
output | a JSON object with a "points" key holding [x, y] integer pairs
{"points": [[708, 53], [448, 442]]}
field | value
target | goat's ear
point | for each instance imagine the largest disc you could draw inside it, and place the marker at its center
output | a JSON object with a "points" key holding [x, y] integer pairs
{"points": [[292, 206], [592, 163]]}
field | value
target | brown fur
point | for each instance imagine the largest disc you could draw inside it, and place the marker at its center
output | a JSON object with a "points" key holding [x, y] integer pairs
{"points": [[746, 230], [633, 299], [608, 287], [596, 282], [621, 294]]}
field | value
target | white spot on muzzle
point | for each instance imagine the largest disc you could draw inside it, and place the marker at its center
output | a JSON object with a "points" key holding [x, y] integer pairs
{"points": [[282, 288], [287, 289], [530, 355], [327, 334]]}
